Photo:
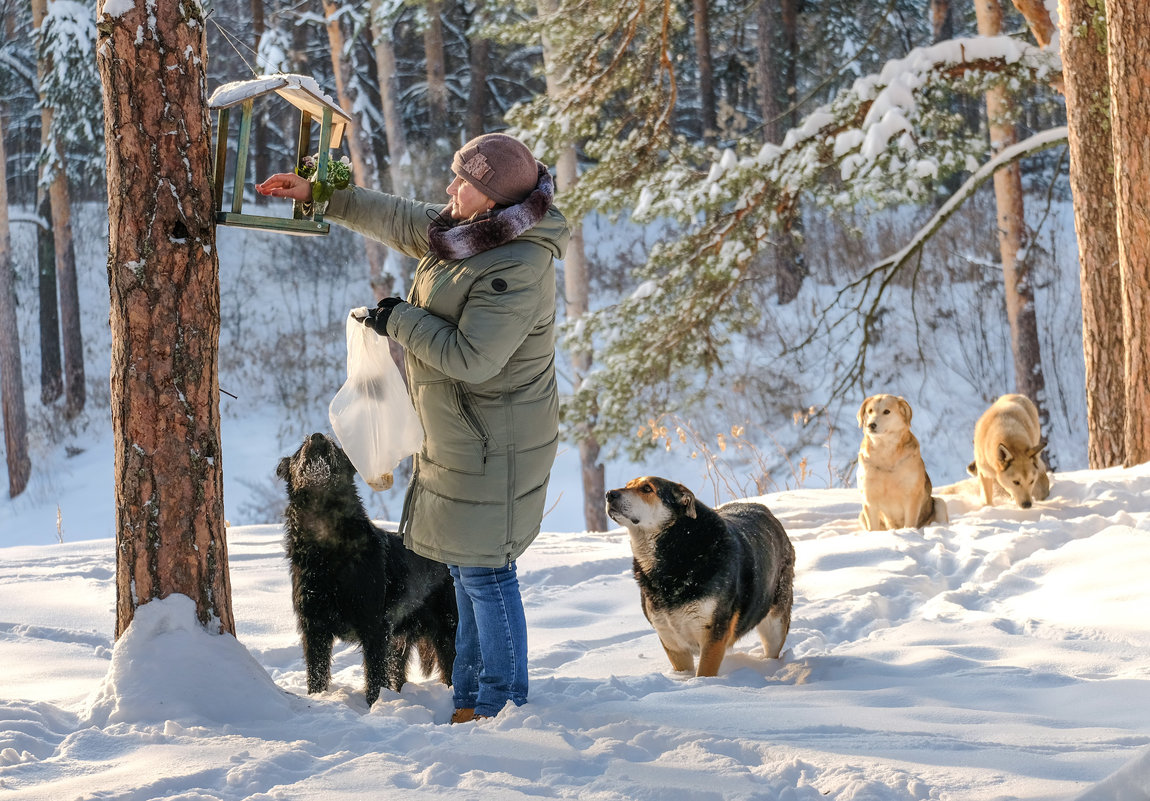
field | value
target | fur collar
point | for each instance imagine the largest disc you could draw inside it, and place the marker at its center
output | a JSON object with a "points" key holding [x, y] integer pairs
{"points": [[459, 240]]}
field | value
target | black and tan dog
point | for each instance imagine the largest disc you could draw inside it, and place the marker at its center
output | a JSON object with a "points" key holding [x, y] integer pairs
{"points": [[354, 581], [706, 576]]}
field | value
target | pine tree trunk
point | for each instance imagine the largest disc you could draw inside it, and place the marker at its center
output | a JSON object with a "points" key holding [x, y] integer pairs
{"points": [[707, 117], [941, 21], [576, 286], [1129, 42], [436, 70], [75, 390], [1012, 239], [51, 370], [1083, 42], [163, 277], [474, 122], [399, 165], [14, 414], [766, 71], [54, 174], [1038, 18], [364, 170], [261, 158]]}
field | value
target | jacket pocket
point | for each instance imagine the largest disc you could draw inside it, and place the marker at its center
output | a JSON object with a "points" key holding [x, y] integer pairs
{"points": [[455, 436]]}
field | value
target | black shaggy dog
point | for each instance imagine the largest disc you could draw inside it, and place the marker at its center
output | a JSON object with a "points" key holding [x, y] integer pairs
{"points": [[354, 581]]}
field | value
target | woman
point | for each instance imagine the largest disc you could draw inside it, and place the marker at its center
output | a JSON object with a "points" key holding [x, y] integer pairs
{"points": [[478, 332]]}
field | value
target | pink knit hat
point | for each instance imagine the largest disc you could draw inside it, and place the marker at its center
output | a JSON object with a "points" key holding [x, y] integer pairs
{"points": [[499, 166]]}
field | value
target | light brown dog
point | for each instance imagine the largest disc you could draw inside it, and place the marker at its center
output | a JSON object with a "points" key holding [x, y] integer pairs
{"points": [[1007, 451], [891, 475]]}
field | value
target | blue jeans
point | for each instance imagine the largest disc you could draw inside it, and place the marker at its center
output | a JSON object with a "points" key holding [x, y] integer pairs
{"points": [[491, 641]]}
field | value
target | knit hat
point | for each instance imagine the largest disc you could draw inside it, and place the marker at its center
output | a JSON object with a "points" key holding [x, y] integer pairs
{"points": [[499, 166]]}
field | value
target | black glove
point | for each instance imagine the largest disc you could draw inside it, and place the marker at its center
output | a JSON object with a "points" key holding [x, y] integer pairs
{"points": [[376, 318]]}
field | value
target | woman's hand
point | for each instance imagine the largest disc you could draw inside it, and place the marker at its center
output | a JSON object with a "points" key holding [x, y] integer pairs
{"points": [[286, 184]]}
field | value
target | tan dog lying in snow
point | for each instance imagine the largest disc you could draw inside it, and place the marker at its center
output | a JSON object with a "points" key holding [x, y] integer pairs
{"points": [[891, 475], [1007, 450]]}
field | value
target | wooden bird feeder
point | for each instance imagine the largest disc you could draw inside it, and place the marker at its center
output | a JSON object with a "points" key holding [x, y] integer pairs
{"points": [[302, 92]]}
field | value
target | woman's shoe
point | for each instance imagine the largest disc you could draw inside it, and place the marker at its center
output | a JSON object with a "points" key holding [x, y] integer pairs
{"points": [[464, 715]]}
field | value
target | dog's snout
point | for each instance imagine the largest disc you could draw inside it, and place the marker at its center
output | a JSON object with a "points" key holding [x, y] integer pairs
{"points": [[612, 495], [1026, 504], [317, 438], [872, 426]]}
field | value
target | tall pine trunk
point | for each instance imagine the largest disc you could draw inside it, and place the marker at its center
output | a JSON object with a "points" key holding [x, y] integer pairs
{"points": [[1083, 42], [51, 370], [54, 177], [163, 277], [1128, 36], [436, 70], [1012, 237], [399, 166], [707, 115], [365, 172], [576, 290], [776, 47], [479, 54], [14, 415]]}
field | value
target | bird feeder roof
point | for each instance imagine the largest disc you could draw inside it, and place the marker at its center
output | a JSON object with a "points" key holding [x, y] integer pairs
{"points": [[301, 91]]}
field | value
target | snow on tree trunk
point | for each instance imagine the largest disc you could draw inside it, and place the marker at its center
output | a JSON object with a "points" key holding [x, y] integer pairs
{"points": [[55, 177], [364, 170], [1086, 83], [1129, 42], [576, 290], [1012, 236], [15, 418], [163, 276]]}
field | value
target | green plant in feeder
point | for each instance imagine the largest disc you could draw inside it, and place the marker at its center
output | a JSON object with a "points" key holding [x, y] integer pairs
{"points": [[338, 176]]}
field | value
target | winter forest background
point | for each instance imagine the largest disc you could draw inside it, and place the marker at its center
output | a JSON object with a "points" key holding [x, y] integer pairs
{"points": [[741, 172]]}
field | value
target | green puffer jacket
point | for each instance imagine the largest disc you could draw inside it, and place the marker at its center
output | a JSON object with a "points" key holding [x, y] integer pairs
{"points": [[479, 338]]}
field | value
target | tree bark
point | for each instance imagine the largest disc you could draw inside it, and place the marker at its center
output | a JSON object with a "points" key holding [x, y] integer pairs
{"points": [[51, 370], [941, 21], [261, 158], [399, 162], [1086, 82], [767, 72], [576, 286], [436, 70], [55, 176], [364, 170], [707, 115], [163, 278], [1128, 37], [1012, 238], [1037, 16], [15, 417], [478, 57]]}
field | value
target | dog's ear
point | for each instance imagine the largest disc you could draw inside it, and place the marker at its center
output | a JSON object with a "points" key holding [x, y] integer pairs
{"points": [[685, 498], [1037, 449], [904, 408], [862, 410], [1004, 456], [283, 469]]}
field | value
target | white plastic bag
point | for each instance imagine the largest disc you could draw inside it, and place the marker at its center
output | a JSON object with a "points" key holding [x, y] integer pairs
{"points": [[372, 415]]}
